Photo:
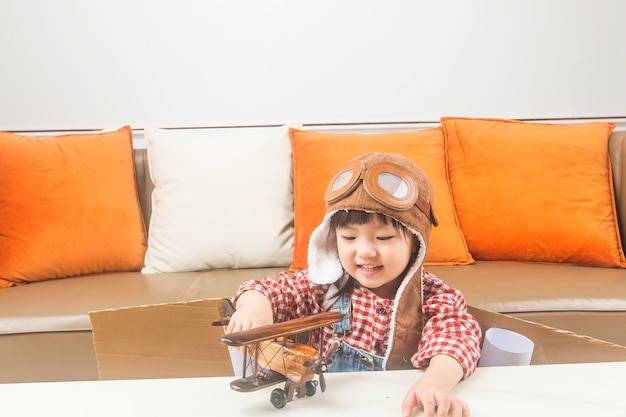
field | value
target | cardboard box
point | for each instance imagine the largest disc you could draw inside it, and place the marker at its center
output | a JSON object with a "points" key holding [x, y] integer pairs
{"points": [[178, 340]]}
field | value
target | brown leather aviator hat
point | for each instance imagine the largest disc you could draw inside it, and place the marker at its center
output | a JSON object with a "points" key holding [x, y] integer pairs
{"points": [[385, 183], [393, 185]]}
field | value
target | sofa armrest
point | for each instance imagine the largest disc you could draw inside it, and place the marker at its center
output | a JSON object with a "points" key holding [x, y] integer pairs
{"points": [[144, 183], [617, 153]]}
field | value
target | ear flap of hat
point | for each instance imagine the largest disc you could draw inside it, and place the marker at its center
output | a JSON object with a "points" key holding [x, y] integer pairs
{"points": [[324, 264]]}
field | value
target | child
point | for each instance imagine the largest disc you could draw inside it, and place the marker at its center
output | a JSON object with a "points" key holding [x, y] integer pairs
{"points": [[365, 260]]}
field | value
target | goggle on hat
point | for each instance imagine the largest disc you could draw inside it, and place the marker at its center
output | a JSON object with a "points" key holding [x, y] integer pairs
{"points": [[385, 183]]}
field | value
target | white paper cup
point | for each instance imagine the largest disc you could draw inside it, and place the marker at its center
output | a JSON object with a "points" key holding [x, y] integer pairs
{"points": [[236, 358], [503, 347]]}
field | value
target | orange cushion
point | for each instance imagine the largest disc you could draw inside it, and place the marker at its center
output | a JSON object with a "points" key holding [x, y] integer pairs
{"points": [[316, 157], [68, 206], [534, 192]]}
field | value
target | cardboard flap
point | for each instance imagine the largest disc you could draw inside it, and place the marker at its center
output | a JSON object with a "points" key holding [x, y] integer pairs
{"points": [[552, 346], [160, 341]]}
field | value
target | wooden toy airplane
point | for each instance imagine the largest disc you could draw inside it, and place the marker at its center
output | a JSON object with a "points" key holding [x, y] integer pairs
{"points": [[278, 357]]}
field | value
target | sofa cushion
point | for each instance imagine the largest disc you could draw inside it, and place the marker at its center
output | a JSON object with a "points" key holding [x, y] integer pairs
{"points": [[223, 198], [316, 157], [516, 287], [534, 192], [68, 206]]}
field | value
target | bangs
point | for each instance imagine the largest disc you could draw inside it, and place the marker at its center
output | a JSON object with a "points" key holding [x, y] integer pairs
{"points": [[345, 218]]}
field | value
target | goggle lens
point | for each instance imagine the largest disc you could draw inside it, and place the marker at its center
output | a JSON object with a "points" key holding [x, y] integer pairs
{"points": [[393, 185], [342, 180], [345, 182]]}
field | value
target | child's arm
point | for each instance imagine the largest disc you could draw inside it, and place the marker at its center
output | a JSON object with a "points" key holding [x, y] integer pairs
{"points": [[253, 309], [433, 390], [448, 329], [449, 350], [265, 301]]}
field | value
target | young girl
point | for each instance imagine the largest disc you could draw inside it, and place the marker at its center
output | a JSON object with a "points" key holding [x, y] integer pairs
{"points": [[365, 260]]}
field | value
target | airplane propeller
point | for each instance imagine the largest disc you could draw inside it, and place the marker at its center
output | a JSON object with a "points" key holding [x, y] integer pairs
{"points": [[325, 362]]}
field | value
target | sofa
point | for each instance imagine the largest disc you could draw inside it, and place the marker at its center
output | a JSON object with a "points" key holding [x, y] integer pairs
{"points": [[45, 328]]}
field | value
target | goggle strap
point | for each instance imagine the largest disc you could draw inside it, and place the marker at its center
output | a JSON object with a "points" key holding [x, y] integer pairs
{"points": [[427, 209]]}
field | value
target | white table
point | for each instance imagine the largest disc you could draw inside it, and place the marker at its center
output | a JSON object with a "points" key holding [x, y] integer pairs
{"points": [[540, 390]]}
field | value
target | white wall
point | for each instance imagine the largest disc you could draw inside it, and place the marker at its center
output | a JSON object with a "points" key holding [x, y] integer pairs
{"points": [[77, 64]]}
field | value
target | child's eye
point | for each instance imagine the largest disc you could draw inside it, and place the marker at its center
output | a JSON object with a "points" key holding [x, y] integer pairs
{"points": [[348, 237], [384, 237]]}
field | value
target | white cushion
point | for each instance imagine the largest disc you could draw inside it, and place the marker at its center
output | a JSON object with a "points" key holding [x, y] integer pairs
{"points": [[223, 198]]}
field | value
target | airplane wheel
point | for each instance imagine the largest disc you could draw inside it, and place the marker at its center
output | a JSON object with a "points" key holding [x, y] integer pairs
{"points": [[278, 398], [311, 388]]}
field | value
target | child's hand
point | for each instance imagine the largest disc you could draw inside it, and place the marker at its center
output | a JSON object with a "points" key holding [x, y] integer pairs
{"points": [[433, 391], [253, 310]]}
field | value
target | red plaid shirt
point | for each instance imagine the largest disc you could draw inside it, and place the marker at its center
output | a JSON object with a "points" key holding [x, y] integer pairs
{"points": [[448, 327]]}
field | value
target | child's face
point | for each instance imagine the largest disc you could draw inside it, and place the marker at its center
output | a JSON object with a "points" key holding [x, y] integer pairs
{"points": [[375, 254]]}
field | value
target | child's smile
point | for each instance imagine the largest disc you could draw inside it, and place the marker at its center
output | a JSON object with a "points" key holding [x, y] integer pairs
{"points": [[370, 268]]}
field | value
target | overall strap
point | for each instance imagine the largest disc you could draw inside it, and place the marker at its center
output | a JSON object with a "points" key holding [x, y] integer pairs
{"points": [[343, 305]]}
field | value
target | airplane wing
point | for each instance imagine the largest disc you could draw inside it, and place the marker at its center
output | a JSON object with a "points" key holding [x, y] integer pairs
{"points": [[253, 383], [271, 331]]}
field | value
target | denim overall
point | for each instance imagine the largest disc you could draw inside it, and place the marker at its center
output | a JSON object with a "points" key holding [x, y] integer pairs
{"points": [[348, 358]]}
